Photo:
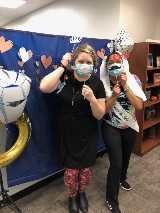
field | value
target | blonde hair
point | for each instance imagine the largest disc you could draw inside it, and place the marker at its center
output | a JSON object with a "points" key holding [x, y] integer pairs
{"points": [[86, 48]]}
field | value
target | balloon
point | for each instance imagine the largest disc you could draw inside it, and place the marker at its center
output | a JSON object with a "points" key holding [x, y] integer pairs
{"points": [[14, 90], [122, 42], [21, 142]]}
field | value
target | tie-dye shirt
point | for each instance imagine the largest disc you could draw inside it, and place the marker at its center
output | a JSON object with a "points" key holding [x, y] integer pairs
{"points": [[111, 118]]}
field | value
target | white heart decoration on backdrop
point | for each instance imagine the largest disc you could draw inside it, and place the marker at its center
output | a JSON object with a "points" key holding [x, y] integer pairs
{"points": [[25, 55]]}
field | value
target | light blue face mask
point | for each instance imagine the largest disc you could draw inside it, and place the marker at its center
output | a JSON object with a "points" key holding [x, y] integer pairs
{"points": [[84, 69], [115, 69]]}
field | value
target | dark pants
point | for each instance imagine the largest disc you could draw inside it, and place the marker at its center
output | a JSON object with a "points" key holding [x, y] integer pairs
{"points": [[119, 144]]}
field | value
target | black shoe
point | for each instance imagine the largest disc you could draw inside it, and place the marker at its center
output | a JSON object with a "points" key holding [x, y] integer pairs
{"points": [[83, 202], [113, 209], [73, 205], [125, 186]]}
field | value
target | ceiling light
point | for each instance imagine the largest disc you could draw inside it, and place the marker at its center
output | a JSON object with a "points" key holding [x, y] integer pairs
{"points": [[11, 3]]}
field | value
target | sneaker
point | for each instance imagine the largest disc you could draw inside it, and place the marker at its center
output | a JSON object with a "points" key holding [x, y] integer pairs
{"points": [[113, 209], [125, 186]]}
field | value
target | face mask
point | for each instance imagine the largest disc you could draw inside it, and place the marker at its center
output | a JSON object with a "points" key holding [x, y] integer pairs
{"points": [[115, 69], [84, 69]]}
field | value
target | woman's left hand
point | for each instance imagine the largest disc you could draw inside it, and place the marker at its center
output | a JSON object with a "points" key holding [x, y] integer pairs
{"points": [[87, 92], [123, 78]]}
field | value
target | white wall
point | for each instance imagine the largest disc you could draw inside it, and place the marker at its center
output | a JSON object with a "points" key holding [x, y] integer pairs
{"points": [[157, 24], [93, 19], [139, 18], [85, 18]]}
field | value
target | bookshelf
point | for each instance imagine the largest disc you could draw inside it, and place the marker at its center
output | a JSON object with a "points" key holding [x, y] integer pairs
{"points": [[138, 63]]}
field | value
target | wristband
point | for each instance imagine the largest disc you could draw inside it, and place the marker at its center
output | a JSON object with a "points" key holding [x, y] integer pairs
{"points": [[125, 91], [64, 67]]}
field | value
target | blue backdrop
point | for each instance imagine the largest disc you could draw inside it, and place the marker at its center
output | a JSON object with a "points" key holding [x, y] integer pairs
{"points": [[39, 158]]}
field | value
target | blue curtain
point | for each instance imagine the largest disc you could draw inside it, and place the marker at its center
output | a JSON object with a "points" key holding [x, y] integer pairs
{"points": [[39, 158]]}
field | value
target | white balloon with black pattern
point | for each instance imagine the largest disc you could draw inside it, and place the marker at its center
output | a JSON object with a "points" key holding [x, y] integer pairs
{"points": [[14, 91], [122, 42]]}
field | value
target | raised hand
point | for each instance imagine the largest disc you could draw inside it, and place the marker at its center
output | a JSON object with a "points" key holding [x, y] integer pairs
{"points": [[123, 78], [116, 91], [66, 59]]}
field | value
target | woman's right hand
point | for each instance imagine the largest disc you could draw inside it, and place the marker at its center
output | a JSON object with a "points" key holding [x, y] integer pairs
{"points": [[116, 91], [66, 59]]}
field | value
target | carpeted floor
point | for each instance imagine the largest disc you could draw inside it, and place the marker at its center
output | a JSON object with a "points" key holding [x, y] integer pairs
{"points": [[143, 175]]}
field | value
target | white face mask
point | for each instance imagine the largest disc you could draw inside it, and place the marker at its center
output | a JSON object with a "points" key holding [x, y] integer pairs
{"points": [[115, 69]]}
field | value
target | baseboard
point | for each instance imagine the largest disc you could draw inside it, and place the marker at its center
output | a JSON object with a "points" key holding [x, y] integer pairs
{"points": [[45, 181], [37, 185]]}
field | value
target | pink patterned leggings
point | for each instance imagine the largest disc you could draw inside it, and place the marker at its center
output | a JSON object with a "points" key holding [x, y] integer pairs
{"points": [[74, 178]]}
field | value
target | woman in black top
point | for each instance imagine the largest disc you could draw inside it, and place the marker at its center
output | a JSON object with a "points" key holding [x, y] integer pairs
{"points": [[81, 101]]}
